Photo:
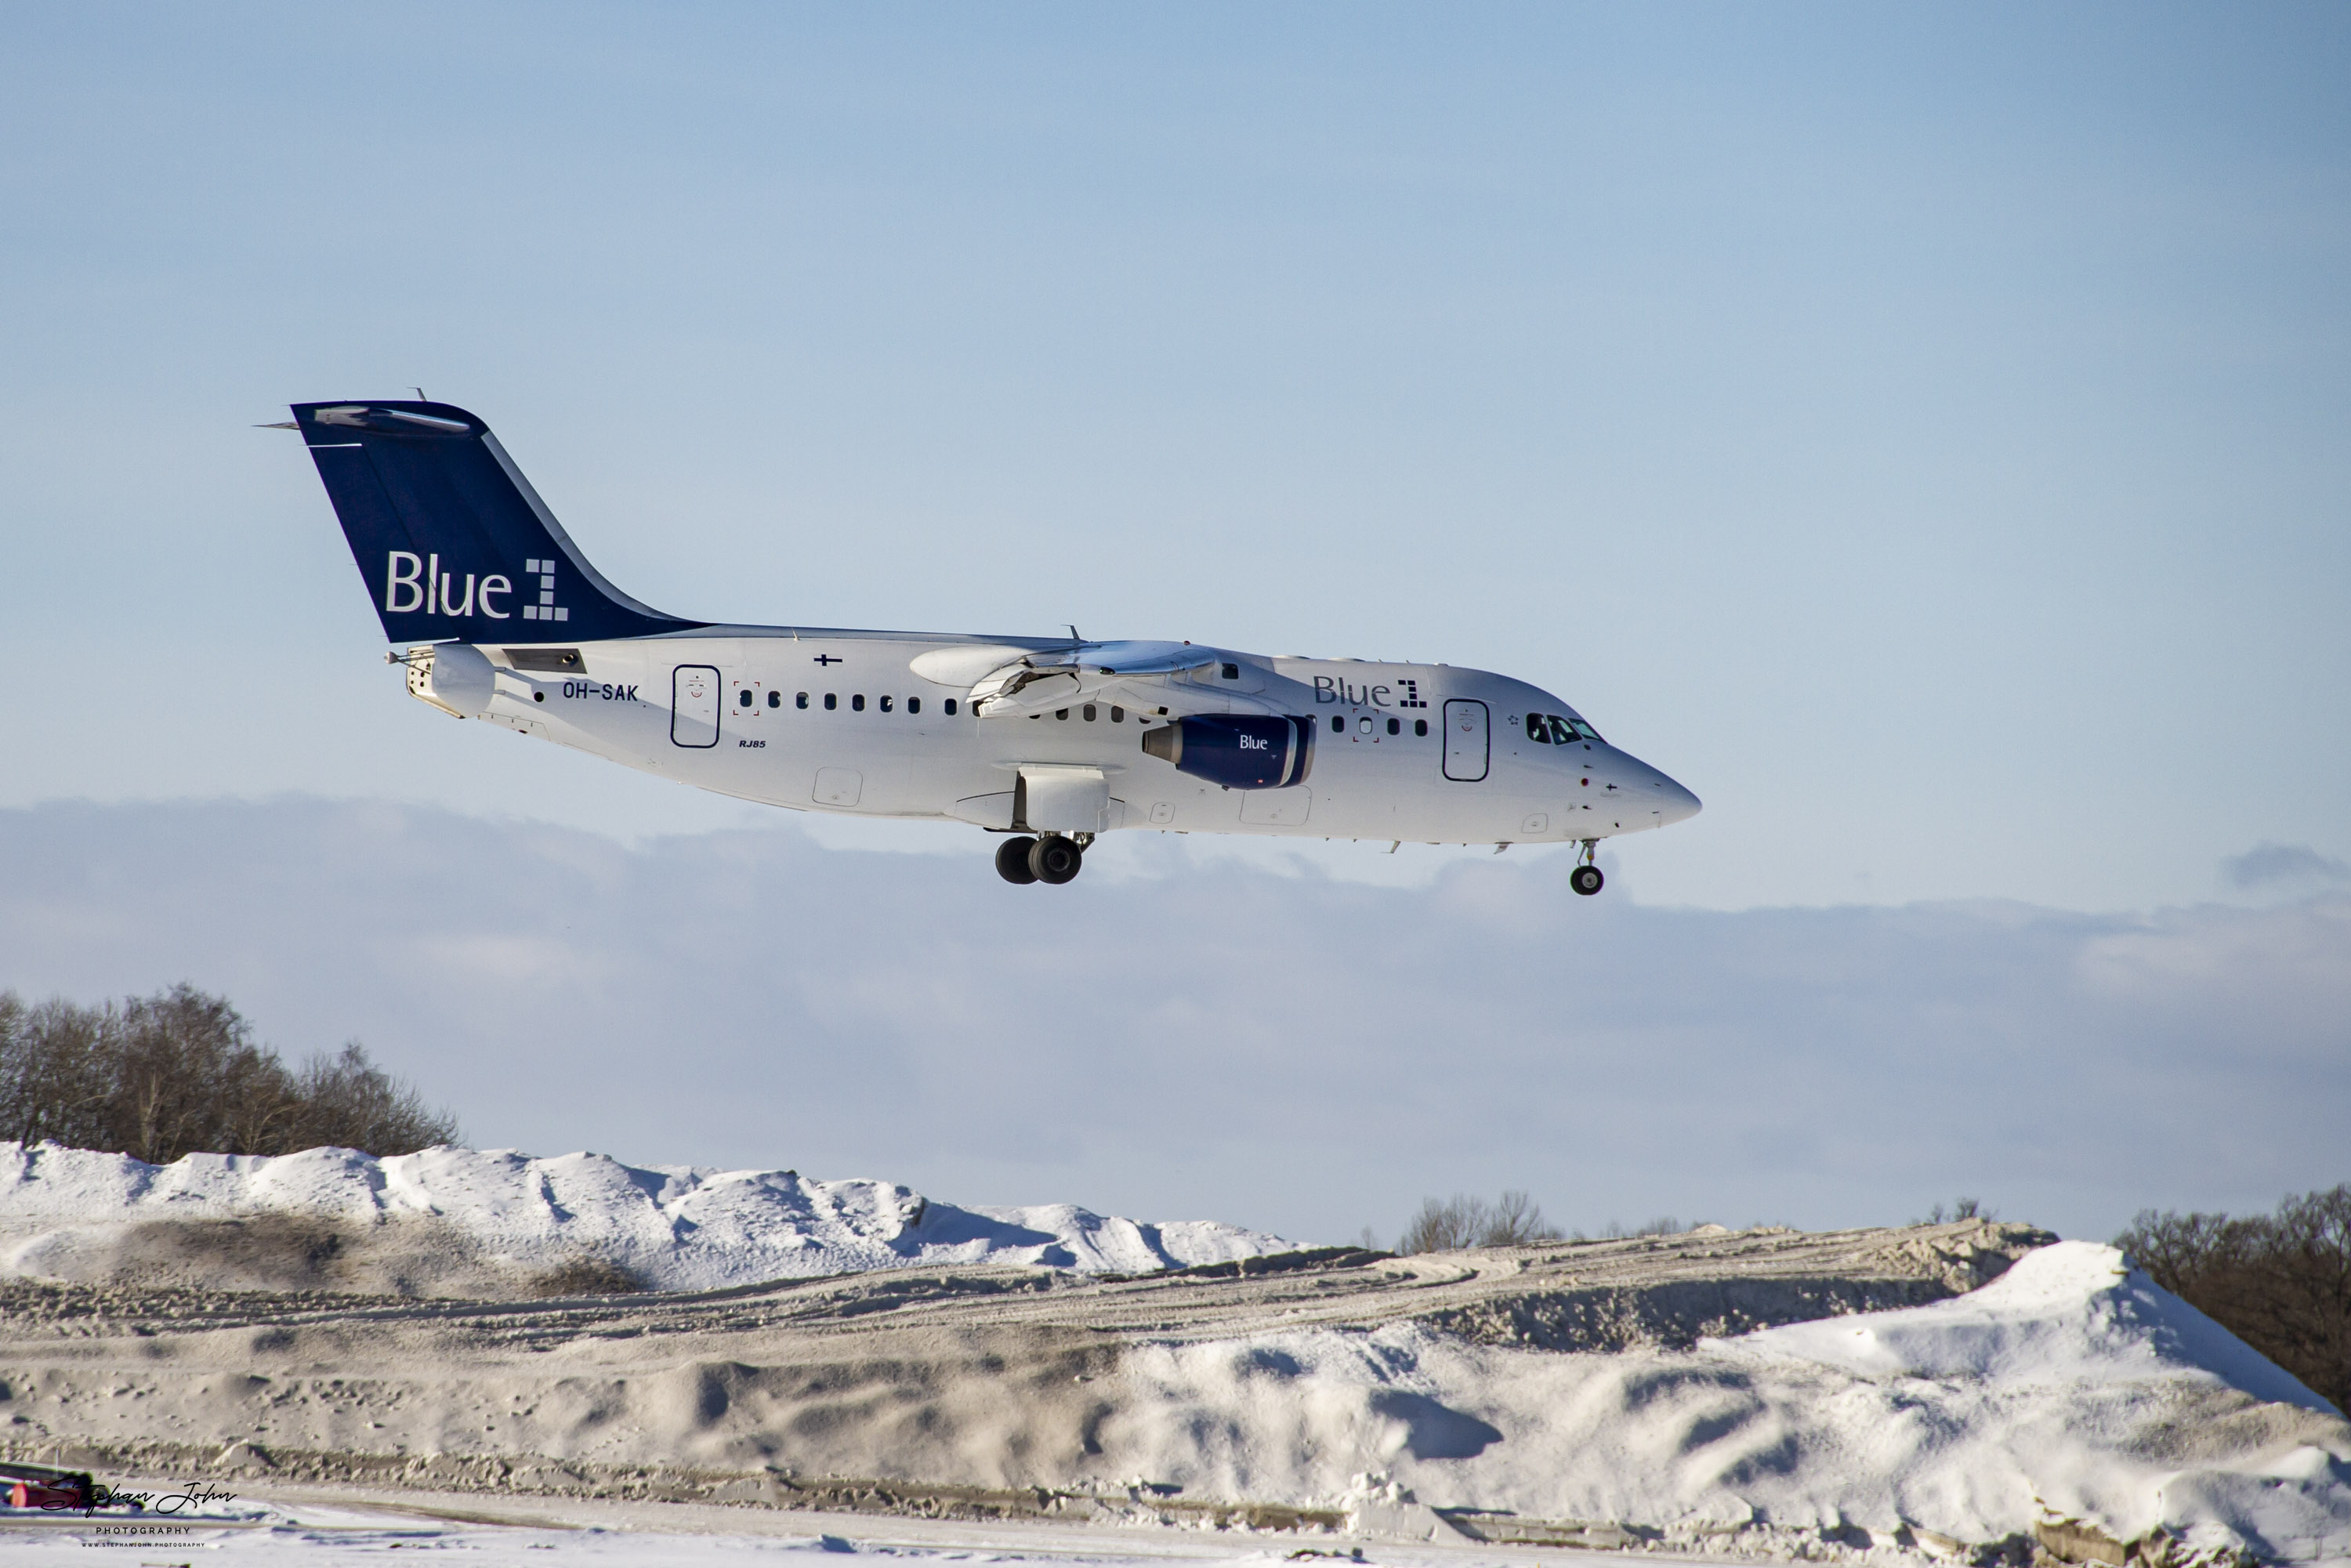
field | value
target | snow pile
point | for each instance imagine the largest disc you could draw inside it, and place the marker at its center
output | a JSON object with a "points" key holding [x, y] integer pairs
{"points": [[63, 1210], [2073, 1388], [2066, 1314]]}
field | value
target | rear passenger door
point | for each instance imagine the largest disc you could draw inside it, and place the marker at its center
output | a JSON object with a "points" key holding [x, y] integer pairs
{"points": [[1466, 743], [694, 705]]}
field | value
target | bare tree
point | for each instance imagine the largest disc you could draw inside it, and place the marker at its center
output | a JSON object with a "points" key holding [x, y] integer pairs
{"points": [[1516, 1221], [162, 1076], [1446, 1224], [349, 1101], [1442, 1225], [55, 1071], [2280, 1281]]}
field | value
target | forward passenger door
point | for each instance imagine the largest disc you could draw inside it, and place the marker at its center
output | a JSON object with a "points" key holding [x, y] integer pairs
{"points": [[1466, 743]]}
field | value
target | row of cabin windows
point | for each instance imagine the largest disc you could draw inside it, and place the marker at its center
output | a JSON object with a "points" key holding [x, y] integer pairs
{"points": [[1088, 712], [915, 705], [856, 702]]}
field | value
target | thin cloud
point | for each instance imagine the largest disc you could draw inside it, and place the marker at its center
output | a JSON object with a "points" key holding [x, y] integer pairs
{"points": [[2270, 865], [1300, 1054]]}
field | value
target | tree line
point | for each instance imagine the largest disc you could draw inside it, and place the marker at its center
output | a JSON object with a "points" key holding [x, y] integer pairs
{"points": [[2280, 1281], [179, 1073]]}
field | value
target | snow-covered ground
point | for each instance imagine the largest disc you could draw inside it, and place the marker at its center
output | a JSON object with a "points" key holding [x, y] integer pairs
{"points": [[302, 1529], [2071, 1387], [66, 1213]]}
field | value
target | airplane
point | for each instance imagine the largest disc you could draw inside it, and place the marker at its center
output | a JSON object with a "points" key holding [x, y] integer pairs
{"points": [[1045, 741]]}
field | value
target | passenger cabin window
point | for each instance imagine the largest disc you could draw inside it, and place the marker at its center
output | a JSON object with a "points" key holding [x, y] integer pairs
{"points": [[857, 703], [801, 701], [1088, 712], [1338, 724], [885, 705], [1420, 727], [744, 699], [951, 708], [914, 704], [1395, 726], [830, 702], [1118, 716], [775, 699]]}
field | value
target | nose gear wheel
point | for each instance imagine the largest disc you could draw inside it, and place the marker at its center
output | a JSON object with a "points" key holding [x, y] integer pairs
{"points": [[1586, 878]]}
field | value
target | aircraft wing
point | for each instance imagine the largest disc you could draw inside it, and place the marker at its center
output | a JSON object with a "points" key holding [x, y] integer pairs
{"points": [[1173, 679], [1055, 678]]}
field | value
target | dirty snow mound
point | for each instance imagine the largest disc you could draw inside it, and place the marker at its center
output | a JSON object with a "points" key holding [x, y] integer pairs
{"points": [[2066, 1314], [78, 1215], [2072, 1388]]}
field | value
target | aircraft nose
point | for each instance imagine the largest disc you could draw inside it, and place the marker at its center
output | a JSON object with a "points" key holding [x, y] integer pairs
{"points": [[1680, 805], [1674, 803]]}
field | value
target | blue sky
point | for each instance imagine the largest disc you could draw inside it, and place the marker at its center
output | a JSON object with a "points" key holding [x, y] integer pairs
{"points": [[1921, 429]]}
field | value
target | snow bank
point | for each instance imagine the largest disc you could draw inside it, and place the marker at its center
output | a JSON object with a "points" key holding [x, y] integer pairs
{"points": [[65, 1211], [2071, 1387], [2068, 1314]]}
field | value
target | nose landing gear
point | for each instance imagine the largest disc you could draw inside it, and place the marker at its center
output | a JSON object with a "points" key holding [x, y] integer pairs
{"points": [[1586, 878], [1048, 858]]}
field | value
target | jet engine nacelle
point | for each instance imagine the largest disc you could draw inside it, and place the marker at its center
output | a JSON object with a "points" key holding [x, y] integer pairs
{"points": [[454, 677], [1239, 751]]}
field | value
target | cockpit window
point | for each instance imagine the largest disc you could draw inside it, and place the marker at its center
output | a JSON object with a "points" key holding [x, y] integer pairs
{"points": [[1557, 730]]}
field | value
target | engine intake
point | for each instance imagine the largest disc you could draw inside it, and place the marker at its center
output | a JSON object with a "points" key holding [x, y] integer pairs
{"points": [[1237, 751]]}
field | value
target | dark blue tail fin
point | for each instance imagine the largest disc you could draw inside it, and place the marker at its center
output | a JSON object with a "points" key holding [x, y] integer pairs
{"points": [[451, 539]]}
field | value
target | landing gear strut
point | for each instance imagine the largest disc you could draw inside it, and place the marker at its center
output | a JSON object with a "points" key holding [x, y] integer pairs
{"points": [[1047, 858], [1586, 878]]}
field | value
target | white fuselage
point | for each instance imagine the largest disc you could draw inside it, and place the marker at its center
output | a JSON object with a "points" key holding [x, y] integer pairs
{"points": [[1423, 753]]}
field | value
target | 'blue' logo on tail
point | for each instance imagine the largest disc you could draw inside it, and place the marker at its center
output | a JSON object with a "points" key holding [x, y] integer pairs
{"points": [[412, 583]]}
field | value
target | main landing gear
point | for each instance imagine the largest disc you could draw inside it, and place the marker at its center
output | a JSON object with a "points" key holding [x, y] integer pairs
{"points": [[1586, 878], [1048, 858]]}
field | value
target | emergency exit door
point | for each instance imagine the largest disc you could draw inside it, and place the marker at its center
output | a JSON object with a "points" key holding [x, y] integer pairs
{"points": [[694, 705], [1465, 741]]}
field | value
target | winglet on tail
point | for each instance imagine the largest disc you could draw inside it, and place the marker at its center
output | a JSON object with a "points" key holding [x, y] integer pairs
{"points": [[450, 538]]}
